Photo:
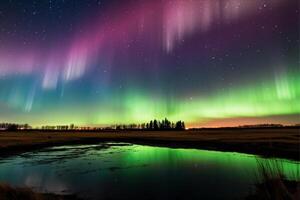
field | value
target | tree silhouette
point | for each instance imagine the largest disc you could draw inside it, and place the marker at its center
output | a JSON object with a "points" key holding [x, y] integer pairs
{"points": [[164, 124], [151, 125], [179, 125], [155, 125], [12, 127], [167, 124]]}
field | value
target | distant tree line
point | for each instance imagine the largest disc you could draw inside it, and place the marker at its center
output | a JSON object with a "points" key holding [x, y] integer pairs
{"points": [[164, 124], [13, 126], [261, 125]]}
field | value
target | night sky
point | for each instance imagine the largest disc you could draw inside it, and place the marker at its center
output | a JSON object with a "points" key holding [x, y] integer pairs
{"points": [[94, 62]]}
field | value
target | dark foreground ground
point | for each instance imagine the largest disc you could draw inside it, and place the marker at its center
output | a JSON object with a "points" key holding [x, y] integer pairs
{"points": [[268, 142], [8, 192]]}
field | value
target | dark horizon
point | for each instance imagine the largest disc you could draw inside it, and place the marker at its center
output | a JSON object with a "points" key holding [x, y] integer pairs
{"points": [[74, 127]]}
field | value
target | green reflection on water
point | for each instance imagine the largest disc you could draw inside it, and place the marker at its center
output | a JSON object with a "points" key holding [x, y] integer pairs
{"points": [[226, 160], [133, 170]]}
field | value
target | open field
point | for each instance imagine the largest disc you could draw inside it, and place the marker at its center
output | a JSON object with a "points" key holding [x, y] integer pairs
{"points": [[269, 142]]}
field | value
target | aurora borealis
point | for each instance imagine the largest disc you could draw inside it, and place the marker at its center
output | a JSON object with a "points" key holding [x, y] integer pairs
{"points": [[93, 62]]}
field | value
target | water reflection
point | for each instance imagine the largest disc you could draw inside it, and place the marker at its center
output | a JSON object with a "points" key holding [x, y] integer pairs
{"points": [[136, 171]]}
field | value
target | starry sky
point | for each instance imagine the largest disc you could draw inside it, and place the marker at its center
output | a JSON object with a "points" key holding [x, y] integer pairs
{"points": [[102, 62]]}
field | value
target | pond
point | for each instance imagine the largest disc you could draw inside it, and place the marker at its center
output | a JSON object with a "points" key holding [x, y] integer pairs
{"points": [[124, 171]]}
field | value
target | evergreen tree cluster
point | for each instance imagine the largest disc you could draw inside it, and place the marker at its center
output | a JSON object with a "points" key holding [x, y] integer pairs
{"points": [[164, 124]]}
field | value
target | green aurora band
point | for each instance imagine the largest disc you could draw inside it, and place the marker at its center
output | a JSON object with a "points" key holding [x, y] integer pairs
{"points": [[208, 63], [277, 97]]}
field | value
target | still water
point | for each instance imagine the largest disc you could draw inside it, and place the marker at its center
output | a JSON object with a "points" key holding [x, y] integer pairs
{"points": [[127, 171]]}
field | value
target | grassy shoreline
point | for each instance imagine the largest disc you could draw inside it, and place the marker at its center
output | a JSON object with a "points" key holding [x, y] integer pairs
{"points": [[271, 142]]}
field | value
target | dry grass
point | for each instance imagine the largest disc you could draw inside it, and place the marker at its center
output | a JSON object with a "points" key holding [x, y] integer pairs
{"points": [[274, 186]]}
